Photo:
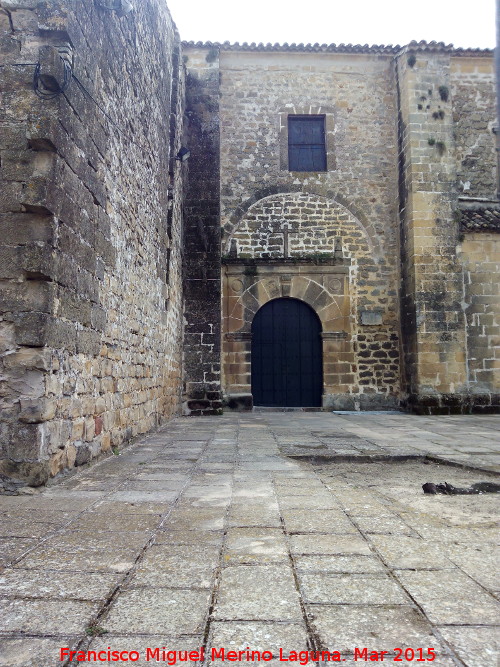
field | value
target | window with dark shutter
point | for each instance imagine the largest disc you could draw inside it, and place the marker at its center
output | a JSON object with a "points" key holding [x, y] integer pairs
{"points": [[306, 143]]}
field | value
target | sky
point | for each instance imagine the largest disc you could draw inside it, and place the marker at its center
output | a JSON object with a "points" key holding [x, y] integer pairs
{"points": [[458, 22]]}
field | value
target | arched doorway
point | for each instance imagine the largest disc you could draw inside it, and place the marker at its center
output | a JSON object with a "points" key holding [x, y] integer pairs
{"points": [[287, 365]]}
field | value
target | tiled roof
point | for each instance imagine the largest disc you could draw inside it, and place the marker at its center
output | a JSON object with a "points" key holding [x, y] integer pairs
{"points": [[339, 48], [480, 220]]}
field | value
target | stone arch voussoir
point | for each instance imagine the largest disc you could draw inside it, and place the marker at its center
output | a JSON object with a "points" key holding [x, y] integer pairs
{"points": [[302, 288]]}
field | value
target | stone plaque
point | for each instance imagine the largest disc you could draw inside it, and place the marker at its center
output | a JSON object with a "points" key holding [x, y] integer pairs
{"points": [[369, 318]]}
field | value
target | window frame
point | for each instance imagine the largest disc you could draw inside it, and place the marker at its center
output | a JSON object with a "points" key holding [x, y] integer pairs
{"points": [[291, 109], [319, 146]]}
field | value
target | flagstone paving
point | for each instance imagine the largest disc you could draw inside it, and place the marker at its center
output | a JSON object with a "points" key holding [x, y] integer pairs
{"points": [[269, 531]]}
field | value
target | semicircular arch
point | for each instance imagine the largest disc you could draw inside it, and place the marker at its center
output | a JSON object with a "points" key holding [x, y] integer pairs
{"points": [[299, 209], [327, 304]]}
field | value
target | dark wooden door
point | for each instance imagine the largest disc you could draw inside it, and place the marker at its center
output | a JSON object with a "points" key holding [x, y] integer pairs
{"points": [[287, 368]]}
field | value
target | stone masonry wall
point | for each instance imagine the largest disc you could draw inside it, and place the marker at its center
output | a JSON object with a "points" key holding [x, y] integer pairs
{"points": [[480, 254], [449, 302], [355, 92], [349, 209], [302, 227], [433, 318], [474, 111], [202, 390], [91, 321]]}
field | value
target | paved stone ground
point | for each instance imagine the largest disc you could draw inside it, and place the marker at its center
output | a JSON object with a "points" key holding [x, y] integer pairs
{"points": [[292, 530]]}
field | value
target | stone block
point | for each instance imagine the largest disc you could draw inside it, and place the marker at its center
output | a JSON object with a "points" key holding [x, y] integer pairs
{"points": [[35, 196], [339, 564], [348, 626], [37, 410], [174, 612], [350, 588], [4, 27], [89, 430], [24, 20], [98, 318], [191, 570], [449, 597], [199, 404], [81, 252], [31, 473], [26, 383], [61, 335], [24, 228], [28, 296], [370, 318], [29, 357], [57, 462], [78, 427], [239, 402], [10, 196], [105, 250], [24, 445], [9, 263], [38, 329], [249, 587], [37, 616], [73, 307], [7, 337], [12, 134], [66, 269], [87, 285], [83, 453], [70, 455], [98, 424], [106, 442], [38, 261], [17, 165], [61, 585], [88, 342], [55, 435]]}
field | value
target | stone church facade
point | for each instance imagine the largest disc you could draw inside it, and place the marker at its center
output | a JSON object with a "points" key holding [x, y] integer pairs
{"points": [[336, 225], [393, 243]]}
